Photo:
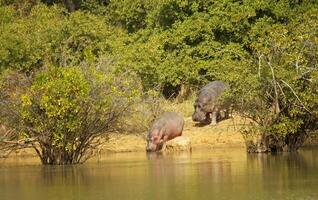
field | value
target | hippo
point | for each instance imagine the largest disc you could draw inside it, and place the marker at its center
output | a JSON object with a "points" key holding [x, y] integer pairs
{"points": [[166, 127], [207, 103]]}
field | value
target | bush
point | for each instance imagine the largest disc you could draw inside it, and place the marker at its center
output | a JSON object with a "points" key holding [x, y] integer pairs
{"points": [[65, 111]]}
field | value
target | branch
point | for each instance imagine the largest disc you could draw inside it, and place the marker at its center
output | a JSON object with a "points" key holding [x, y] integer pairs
{"points": [[8, 146], [277, 109], [293, 91], [259, 65]]}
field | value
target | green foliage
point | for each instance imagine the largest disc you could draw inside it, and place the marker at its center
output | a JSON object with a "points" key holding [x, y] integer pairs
{"points": [[26, 41], [67, 108], [128, 14], [282, 98], [55, 102], [266, 51], [83, 37], [98, 7], [48, 36]]}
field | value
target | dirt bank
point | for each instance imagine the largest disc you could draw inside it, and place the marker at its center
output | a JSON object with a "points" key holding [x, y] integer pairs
{"points": [[224, 134]]}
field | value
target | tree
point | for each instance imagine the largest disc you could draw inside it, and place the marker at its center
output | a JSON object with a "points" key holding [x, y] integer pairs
{"points": [[64, 112], [281, 90]]}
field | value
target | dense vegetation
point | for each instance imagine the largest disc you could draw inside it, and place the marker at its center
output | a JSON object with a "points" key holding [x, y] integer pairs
{"points": [[63, 61]]}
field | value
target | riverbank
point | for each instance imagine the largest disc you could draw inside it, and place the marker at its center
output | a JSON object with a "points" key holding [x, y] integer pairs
{"points": [[223, 135], [226, 134]]}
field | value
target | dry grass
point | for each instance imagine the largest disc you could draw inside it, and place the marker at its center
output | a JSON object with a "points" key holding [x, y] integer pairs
{"points": [[185, 108]]}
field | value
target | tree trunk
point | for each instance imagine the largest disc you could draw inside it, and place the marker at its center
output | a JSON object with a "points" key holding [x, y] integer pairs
{"points": [[70, 5], [184, 93], [271, 143]]}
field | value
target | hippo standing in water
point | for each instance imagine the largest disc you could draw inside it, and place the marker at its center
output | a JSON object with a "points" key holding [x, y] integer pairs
{"points": [[166, 127], [207, 103]]}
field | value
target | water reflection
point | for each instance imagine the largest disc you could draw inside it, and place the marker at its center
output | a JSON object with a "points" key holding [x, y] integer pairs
{"points": [[288, 174], [218, 174]]}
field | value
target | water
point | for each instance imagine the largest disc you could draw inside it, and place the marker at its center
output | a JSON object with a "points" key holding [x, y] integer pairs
{"points": [[218, 174]]}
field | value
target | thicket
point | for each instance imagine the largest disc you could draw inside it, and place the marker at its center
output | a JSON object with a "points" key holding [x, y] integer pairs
{"points": [[266, 50]]}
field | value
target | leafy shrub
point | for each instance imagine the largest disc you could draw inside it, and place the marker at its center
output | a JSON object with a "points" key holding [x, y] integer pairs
{"points": [[65, 110]]}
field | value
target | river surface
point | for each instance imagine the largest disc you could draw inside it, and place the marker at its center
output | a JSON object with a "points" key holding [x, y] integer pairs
{"points": [[215, 174]]}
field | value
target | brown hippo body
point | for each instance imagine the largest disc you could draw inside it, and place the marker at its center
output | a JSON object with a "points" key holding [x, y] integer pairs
{"points": [[207, 103], [166, 127]]}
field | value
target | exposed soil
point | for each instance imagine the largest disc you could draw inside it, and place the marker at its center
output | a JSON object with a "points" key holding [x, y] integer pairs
{"points": [[224, 134]]}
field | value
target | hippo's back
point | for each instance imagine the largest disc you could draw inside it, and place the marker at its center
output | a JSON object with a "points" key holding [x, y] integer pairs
{"points": [[169, 120], [213, 89]]}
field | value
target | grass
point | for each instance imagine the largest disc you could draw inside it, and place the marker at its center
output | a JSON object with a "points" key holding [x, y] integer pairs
{"points": [[185, 108]]}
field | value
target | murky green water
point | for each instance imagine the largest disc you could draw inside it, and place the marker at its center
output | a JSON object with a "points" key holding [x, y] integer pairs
{"points": [[219, 174]]}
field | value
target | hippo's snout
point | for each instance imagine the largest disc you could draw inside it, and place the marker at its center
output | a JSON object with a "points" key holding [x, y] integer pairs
{"points": [[150, 146], [194, 118], [198, 117]]}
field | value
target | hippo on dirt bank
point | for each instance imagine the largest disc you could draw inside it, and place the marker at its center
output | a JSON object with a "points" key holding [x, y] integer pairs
{"points": [[166, 127], [207, 103]]}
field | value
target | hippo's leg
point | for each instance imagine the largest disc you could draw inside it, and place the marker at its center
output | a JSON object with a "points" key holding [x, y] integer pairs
{"points": [[214, 117], [160, 136], [207, 118], [165, 138], [161, 145]]}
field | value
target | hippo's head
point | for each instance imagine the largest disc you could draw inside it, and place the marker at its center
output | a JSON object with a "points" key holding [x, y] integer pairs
{"points": [[154, 143], [199, 114], [201, 108]]}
